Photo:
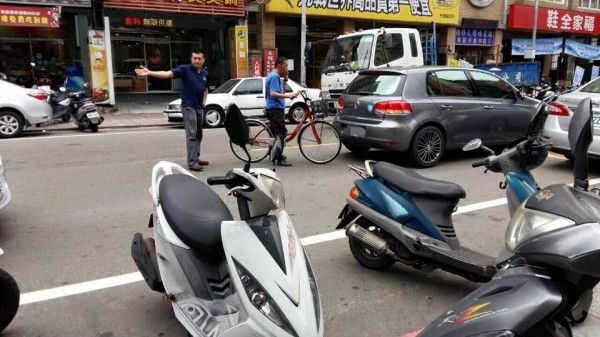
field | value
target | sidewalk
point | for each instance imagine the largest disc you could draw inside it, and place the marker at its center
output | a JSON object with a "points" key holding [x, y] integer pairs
{"points": [[142, 110]]}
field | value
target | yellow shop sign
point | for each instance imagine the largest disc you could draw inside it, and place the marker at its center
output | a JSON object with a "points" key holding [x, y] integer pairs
{"points": [[425, 11]]}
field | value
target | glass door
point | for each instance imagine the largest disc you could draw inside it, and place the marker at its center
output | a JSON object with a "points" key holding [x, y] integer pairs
{"points": [[128, 54], [158, 58]]}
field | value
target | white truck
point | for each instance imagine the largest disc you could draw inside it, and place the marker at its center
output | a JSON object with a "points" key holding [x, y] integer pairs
{"points": [[373, 48]]}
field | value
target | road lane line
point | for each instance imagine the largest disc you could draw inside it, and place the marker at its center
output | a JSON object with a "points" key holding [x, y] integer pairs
{"points": [[120, 280], [22, 139]]}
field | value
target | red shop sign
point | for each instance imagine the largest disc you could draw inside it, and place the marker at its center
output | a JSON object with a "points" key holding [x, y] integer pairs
{"points": [[554, 20], [269, 57], [23, 16]]}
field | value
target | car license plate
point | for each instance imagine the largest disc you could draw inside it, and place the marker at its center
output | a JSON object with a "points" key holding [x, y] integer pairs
{"points": [[596, 121], [354, 131], [93, 114]]}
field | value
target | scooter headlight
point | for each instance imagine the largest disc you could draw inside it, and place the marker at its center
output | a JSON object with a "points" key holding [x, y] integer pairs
{"points": [[262, 301], [527, 223], [276, 189]]}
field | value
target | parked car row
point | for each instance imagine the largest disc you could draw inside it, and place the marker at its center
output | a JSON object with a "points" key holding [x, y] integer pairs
{"points": [[249, 95], [21, 108]]}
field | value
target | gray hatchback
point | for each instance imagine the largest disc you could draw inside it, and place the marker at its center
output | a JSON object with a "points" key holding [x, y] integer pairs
{"points": [[427, 110]]}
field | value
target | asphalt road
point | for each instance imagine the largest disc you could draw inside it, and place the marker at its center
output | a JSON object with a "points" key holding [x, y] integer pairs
{"points": [[78, 198]]}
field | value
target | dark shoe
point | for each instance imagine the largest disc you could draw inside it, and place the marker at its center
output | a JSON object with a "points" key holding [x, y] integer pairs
{"points": [[202, 162], [196, 167], [283, 162]]}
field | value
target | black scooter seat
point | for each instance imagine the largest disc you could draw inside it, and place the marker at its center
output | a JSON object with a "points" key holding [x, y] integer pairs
{"points": [[414, 183], [194, 212]]}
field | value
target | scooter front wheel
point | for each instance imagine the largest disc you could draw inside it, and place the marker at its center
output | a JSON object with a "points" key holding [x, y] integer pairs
{"points": [[9, 299], [366, 255], [94, 127]]}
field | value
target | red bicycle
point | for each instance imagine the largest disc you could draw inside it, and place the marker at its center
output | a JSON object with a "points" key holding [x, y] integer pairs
{"points": [[318, 141]]}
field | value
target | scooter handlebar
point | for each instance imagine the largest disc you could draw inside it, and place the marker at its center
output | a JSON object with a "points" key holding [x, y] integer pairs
{"points": [[226, 180], [479, 163]]}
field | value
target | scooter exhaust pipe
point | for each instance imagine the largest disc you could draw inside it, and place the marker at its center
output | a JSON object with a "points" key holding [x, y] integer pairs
{"points": [[365, 236]]}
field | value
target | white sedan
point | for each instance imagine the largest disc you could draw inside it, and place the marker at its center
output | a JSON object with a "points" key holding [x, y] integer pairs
{"points": [[21, 108], [556, 128], [249, 95]]}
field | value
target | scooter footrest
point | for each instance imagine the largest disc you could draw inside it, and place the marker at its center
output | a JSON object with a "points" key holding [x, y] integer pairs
{"points": [[149, 270]]}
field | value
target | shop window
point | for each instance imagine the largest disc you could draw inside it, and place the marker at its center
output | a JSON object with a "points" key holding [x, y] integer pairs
{"points": [[14, 62], [556, 1], [592, 4], [452, 83], [128, 55]]}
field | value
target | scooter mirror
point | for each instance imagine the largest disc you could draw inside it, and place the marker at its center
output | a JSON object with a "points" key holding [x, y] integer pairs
{"points": [[473, 145], [62, 89]]}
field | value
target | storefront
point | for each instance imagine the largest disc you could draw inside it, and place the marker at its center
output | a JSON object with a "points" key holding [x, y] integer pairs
{"points": [[161, 35], [475, 41], [45, 33], [327, 19], [577, 26]]}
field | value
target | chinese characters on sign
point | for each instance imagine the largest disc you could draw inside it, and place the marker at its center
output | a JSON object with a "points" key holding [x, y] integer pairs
{"points": [[417, 7], [552, 19], [239, 51], [29, 16], [147, 22], [269, 57], [256, 65], [474, 37], [73, 3], [209, 2]]}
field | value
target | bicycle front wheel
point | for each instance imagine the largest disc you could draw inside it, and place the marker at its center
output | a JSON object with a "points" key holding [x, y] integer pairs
{"points": [[259, 143], [319, 142]]}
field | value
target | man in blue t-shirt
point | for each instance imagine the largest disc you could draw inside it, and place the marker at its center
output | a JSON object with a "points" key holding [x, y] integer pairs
{"points": [[193, 99], [275, 107]]}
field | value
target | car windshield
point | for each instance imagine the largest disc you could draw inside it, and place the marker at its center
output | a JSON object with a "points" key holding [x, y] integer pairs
{"points": [[592, 87], [227, 86], [380, 84], [349, 53]]}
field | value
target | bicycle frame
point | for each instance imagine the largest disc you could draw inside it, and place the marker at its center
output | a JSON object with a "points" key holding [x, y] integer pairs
{"points": [[307, 115]]}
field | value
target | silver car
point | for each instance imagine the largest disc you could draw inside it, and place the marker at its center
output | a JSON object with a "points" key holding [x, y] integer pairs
{"points": [[428, 110], [21, 108], [556, 128]]}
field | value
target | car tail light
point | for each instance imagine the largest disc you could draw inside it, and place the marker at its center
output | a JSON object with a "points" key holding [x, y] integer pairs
{"points": [[38, 95], [557, 109], [393, 108], [340, 103]]}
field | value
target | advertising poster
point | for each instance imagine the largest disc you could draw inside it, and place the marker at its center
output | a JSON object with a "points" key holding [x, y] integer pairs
{"points": [[256, 65], [99, 67], [578, 76], [269, 57], [239, 52], [595, 71]]}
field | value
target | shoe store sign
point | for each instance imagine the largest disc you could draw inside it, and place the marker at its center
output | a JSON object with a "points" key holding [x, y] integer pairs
{"points": [[67, 3], [554, 20], [27, 16], [423, 11], [207, 7]]}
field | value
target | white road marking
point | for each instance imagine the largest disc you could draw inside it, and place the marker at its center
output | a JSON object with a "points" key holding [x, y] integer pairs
{"points": [[22, 139], [120, 280]]}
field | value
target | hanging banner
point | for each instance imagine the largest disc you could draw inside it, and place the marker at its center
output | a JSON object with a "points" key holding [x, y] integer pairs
{"points": [[238, 37], [474, 37], [595, 72], [99, 67], [22, 16], [582, 50], [269, 58], [256, 65], [551, 46], [397, 11]]}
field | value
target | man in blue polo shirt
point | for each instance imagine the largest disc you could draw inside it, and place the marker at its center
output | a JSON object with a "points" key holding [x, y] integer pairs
{"points": [[193, 99], [275, 106]]}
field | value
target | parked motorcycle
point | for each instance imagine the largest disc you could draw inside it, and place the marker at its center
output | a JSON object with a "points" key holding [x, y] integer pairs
{"points": [[9, 297], [556, 234], [223, 277], [60, 102], [84, 112]]}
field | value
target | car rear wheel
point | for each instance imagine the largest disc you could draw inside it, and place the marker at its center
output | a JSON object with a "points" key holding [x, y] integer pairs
{"points": [[11, 124], [213, 117], [295, 113], [427, 146]]}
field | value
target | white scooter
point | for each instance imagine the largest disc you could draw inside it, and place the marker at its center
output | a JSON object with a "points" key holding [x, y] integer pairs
{"points": [[224, 277]]}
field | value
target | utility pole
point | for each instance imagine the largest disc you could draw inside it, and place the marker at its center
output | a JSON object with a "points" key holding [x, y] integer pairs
{"points": [[535, 19], [303, 44]]}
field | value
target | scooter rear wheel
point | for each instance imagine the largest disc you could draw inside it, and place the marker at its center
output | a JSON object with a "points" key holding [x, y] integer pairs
{"points": [[364, 254], [9, 299]]}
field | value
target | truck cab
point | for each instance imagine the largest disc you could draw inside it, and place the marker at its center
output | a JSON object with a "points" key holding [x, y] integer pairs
{"points": [[367, 49]]}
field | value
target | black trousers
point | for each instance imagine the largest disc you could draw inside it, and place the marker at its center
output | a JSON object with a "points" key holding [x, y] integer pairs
{"points": [[277, 124]]}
